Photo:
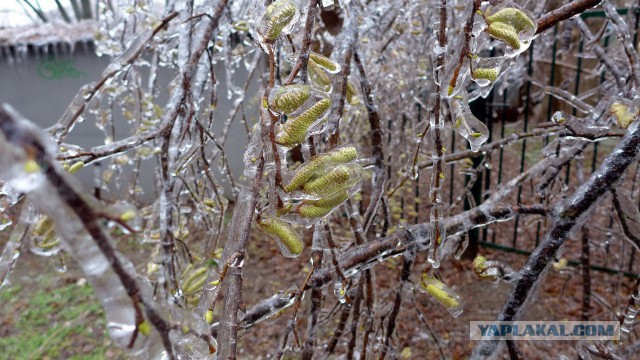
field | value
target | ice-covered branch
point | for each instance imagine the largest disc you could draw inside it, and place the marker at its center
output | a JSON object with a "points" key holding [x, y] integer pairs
{"points": [[28, 165], [88, 92], [564, 12], [201, 41], [618, 76], [566, 216], [625, 38]]}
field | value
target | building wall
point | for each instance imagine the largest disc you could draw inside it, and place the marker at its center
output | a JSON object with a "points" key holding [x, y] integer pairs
{"points": [[41, 83]]}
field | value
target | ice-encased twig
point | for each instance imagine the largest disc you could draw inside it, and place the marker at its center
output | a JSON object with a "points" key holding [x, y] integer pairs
{"points": [[618, 76], [625, 39], [12, 248], [88, 92], [174, 104], [567, 215]]}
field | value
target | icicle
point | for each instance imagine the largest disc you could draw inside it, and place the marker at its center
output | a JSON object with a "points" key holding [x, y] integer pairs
{"points": [[472, 129], [438, 227], [438, 233], [11, 251]]}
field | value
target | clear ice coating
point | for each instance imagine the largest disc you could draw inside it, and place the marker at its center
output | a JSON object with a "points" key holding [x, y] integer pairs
{"points": [[438, 233], [279, 18], [44, 240], [319, 186], [11, 251], [340, 292], [512, 25], [472, 129], [486, 70], [288, 239], [443, 294], [629, 216]]}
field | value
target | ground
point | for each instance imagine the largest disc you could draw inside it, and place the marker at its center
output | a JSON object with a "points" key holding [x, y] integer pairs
{"points": [[51, 315]]}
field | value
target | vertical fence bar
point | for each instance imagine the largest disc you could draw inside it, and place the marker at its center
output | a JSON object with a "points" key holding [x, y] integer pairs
{"points": [[525, 127], [576, 91], [479, 109], [552, 80], [503, 118], [635, 41], [451, 173]]}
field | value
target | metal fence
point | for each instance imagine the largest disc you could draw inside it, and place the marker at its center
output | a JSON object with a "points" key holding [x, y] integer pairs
{"points": [[494, 112]]}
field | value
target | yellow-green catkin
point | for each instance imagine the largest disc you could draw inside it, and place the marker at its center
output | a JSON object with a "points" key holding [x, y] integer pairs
{"points": [[514, 17], [440, 292], [43, 226], [623, 116], [323, 62], [295, 129], [340, 178], [128, 215], [311, 209], [479, 264], [490, 74], [194, 278], [144, 328], [505, 33], [31, 166], [278, 15], [319, 77], [318, 164], [284, 233], [290, 98], [351, 93], [50, 241], [208, 316], [75, 167]]}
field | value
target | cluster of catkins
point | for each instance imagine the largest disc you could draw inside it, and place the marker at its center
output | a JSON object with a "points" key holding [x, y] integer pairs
{"points": [[325, 180], [511, 25], [323, 183]]}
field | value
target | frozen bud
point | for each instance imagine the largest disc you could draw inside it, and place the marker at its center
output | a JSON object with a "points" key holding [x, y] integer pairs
{"points": [[295, 129], [318, 208], [442, 294], [352, 93], [318, 164], [488, 74], [287, 99], [340, 178], [621, 112], [278, 18], [517, 18], [287, 238], [324, 62], [505, 33], [318, 77]]}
